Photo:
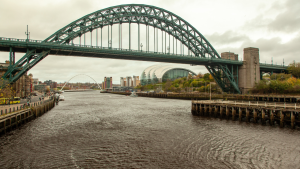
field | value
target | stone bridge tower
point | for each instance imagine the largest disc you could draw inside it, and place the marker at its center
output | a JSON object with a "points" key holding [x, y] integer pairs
{"points": [[249, 73]]}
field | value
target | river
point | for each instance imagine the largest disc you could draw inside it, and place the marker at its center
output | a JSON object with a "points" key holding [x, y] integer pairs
{"points": [[93, 130]]}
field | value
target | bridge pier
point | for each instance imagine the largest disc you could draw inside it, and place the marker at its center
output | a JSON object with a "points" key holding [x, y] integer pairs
{"points": [[249, 72]]}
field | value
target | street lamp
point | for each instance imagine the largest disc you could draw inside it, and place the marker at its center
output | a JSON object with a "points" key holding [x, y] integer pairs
{"points": [[141, 46]]}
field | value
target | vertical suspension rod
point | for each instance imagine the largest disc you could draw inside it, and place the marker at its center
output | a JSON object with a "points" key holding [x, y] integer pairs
{"points": [[129, 37], [108, 36], [84, 39], [111, 35], [97, 37], [148, 40], [165, 42], [154, 39], [139, 36], [162, 41]]}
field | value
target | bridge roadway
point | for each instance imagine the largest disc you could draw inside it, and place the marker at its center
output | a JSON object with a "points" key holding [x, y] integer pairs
{"points": [[20, 45]]}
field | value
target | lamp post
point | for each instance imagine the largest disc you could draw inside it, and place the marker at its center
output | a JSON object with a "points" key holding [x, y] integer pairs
{"points": [[141, 46]]}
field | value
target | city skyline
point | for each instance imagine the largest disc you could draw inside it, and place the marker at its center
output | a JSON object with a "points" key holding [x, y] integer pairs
{"points": [[271, 26]]}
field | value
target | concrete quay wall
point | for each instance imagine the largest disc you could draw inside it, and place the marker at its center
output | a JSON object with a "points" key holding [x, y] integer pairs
{"points": [[271, 114], [13, 120]]}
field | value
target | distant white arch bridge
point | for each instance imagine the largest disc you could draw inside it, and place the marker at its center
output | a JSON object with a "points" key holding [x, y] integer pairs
{"points": [[80, 75]]}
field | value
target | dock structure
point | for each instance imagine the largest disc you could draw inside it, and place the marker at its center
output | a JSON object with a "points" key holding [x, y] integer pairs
{"points": [[257, 112], [14, 118]]}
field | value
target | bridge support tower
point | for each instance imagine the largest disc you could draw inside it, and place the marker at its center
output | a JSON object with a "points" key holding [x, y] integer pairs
{"points": [[249, 72]]}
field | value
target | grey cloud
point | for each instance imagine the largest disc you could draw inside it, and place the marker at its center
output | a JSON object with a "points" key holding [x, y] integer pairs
{"points": [[287, 21], [227, 37], [269, 48]]}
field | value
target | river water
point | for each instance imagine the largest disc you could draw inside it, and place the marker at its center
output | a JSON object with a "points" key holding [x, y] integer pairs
{"points": [[93, 130]]}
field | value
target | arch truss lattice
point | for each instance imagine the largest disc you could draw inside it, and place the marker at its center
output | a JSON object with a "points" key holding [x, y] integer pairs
{"points": [[159, 18]]}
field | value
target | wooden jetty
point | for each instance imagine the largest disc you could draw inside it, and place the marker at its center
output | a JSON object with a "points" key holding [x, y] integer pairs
{"points": [[256, 112]]}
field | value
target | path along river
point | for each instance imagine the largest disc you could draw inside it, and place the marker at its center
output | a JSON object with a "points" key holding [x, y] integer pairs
{"points": [[93, 130]]}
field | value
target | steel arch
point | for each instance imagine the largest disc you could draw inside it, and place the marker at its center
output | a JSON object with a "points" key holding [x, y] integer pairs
{"points": [[80, 75], [140, 14]]}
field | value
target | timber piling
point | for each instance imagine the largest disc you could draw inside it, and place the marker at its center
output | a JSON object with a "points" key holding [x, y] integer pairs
{"points": [[266, 113]]}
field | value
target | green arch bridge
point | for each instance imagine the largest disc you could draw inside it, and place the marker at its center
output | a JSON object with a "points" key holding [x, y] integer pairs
{"points": [[173, 30]]}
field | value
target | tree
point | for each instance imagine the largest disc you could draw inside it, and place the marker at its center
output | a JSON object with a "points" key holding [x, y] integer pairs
{"points": [[206, 76], [6, 89], [294, 69]]}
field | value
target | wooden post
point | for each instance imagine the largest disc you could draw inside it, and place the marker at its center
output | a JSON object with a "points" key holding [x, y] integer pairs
{"points": [[281, 119], [227, 112], [271, 118], [254, 116], [221, 112], [263, 117], [201, 111], [240, 114], [233, 113], [216, 111], [292, 120], [247, 115]]}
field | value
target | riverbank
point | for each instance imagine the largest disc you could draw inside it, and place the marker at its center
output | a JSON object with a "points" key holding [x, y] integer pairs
{"points": [[206, 96]]}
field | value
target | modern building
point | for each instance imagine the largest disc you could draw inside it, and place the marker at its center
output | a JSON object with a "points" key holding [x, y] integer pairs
{"points": [[107, 83], [122, 81], [136, 81], [162, 73], [129, 81]]}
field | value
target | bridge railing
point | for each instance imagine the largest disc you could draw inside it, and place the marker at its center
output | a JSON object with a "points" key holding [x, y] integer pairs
{"points": [[272, 65], [120, 49]]}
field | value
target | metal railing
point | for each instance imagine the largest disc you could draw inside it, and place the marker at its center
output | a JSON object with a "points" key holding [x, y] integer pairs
{"points": [[117, 49]]}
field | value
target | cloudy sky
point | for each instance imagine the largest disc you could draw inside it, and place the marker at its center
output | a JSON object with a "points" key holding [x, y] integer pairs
{"points": [[273, 26]]}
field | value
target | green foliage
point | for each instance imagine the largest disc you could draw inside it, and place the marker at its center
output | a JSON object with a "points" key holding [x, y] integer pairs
{"points": [[206, 76], [294, 69], [278, 86], [187, 84]]}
